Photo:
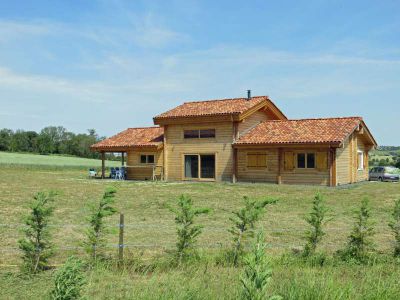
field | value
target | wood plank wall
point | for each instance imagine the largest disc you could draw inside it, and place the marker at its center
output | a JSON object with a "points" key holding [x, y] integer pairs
{"points": [[141, 173]]}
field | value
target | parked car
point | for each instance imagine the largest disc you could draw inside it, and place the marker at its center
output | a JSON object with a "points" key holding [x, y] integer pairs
{"points": [[384, 174]]}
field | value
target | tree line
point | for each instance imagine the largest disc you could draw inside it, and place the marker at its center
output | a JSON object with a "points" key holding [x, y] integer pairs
{"points": [[50, 140]]}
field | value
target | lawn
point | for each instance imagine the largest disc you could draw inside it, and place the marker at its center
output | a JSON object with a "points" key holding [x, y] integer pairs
{"points": [[150, 231]]}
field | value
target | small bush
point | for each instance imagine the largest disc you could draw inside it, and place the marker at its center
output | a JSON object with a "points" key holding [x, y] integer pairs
{"points": [[68, 280], [95, 234], [257, 273], [36, 246], [244, 221], [359, 242], [187, 232], [394, 224]]}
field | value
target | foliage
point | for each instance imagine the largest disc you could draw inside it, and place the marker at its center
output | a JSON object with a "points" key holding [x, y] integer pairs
{"points": [[244, 221], [69, 280], [36, 246], [256, 277], [316, 219], [394, 224], [97, 230], [187, 232], [359, 242]]}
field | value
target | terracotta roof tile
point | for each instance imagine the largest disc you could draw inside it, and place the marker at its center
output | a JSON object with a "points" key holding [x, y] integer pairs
{"points": [[132, 137], [330, 130], [213, 107]]}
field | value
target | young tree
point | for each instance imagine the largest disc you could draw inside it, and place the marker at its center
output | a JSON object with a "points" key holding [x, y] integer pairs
{"points": [[69, 280], [95, 234], [257, 273], [244, 221], [36, 246], [316, 219], [187, 232], [359, 241], [394, 224]]}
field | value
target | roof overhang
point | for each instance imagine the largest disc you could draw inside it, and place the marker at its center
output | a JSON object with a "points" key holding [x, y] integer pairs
{"points": [[111, 149], [288, 145]]}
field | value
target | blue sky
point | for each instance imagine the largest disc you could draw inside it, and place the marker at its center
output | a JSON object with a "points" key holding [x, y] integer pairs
{"points": [[110, 65]]}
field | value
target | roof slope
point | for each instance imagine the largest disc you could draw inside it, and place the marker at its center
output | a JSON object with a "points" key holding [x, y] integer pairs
{"points": [[214, 107], [132, 137], [306, 131]]}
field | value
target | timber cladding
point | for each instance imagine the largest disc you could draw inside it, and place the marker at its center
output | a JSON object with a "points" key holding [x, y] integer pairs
{"points": [[220, 146], [136, 170]]}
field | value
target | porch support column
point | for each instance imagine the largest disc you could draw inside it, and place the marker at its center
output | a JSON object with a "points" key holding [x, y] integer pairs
{"points": [[103, 166], [332, 167], [122, 158], [234, 171], [279, 175]]}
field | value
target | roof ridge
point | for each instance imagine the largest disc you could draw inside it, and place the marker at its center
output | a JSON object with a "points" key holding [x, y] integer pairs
{"points": [[226, 99], [312, 119]]}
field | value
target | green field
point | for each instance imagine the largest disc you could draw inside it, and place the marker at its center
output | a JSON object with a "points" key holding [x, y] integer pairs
{"points": [[28, 159], [150, 233]]}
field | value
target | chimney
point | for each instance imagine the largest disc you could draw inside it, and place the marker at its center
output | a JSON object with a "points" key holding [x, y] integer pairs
{"points": [[248, 94]]}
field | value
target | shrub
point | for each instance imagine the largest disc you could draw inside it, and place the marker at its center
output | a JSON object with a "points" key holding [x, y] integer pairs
{"points": [[359, 241], [394, 224], [316, 219], [36, 246], [187, 232], [257, 273], [244, 221], [95, 234], [68, 280]]}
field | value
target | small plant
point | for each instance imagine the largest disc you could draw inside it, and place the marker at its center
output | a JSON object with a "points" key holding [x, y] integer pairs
{"points": [[316, 219], [36, 246], [359, 241], [187, 232], [95, 234], [257, 273], [244, 221], [68, 280], [394, 224]]}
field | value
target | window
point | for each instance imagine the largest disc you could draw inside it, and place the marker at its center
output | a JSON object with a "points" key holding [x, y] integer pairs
{"points": [[306, 160], [256, 160], [199, 133], [360, 160], [146, 159], [199, 166]]}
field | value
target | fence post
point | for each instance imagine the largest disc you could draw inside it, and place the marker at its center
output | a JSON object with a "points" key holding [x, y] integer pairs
{"points": [[121, 240]]}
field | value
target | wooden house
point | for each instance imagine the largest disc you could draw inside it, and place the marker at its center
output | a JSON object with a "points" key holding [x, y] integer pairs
{"points": [[244, 139]]}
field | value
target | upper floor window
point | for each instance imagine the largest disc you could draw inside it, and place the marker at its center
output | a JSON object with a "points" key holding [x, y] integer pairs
{"points": [[199, 133], [146, 159]]}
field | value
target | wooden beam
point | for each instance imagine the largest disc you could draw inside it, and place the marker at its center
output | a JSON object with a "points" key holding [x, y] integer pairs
{"points": [[235, 165], [164, 171], [332, 167], [122, 158], [279, 175], [103, 166]]}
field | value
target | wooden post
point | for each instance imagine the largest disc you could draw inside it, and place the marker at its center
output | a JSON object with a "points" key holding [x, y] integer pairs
{"points": [[332, 166], [121, 240], [103, 167], [279, 176], [235, 165], [122, 158]]}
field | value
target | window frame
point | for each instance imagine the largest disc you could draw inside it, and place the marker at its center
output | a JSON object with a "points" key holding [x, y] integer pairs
{"points": [[360, 160], [199, 178], [306, 161], [199, 136], [147, 159]]}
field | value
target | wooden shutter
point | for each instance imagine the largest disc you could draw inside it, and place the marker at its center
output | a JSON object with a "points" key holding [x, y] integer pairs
{"points": [[252, 160], [322, 161], [289, 161], [261, 160]]}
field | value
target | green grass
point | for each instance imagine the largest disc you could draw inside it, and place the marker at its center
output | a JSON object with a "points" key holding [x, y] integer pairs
{"points": [[150, 229], [37, 160]]}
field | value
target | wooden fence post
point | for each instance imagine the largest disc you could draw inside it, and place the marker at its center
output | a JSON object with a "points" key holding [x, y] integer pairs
{"points": [[121, 240]]}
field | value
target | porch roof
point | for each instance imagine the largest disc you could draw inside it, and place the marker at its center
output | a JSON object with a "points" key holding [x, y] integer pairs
{"points": [[143, 137]]}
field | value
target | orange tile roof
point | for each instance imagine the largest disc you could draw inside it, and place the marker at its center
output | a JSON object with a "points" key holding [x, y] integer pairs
{"points": [[305, 131], [213, 107], [132, 137]]}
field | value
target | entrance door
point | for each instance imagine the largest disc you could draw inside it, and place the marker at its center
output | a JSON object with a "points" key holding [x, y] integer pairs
{"points": [[199, 166]]}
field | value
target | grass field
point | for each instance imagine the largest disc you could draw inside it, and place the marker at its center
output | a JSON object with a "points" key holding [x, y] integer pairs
{"points": [[150, 231], [51, 160]]}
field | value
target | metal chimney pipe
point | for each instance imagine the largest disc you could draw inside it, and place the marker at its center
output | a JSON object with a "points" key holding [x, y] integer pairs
{"points": [[248, 94]]}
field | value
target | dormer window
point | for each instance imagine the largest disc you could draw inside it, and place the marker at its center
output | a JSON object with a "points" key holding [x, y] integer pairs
{"points": [[199, 134]]}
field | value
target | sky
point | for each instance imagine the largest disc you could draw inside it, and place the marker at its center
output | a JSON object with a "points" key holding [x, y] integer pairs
{"points": [[115, 64]]}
